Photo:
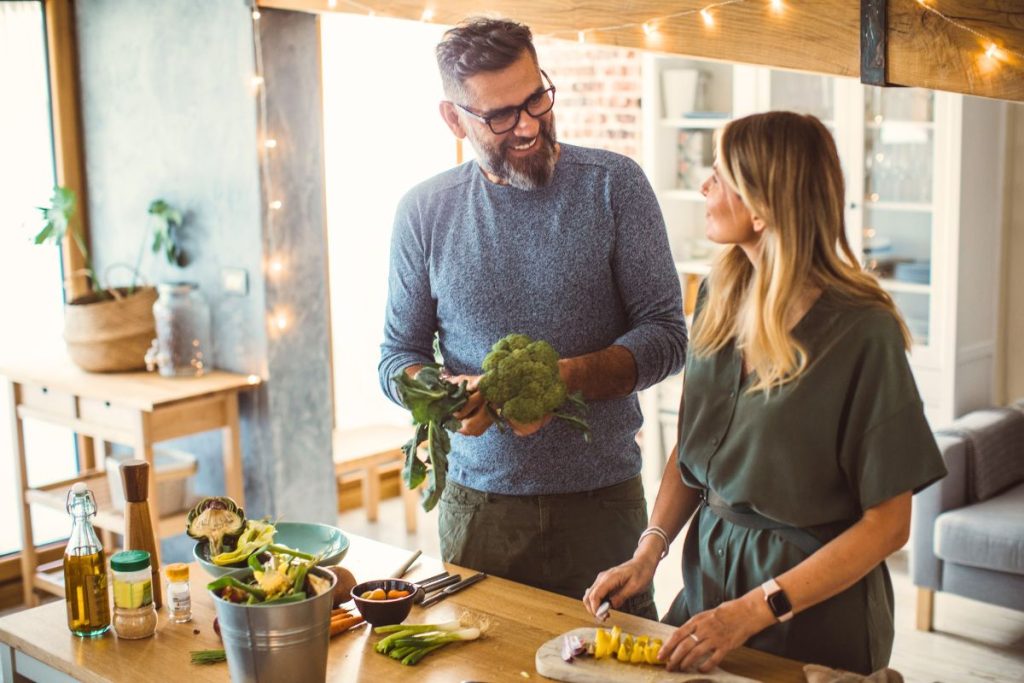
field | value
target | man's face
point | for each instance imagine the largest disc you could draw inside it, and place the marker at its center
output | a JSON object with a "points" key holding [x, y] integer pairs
{"points": [[525, 156]]}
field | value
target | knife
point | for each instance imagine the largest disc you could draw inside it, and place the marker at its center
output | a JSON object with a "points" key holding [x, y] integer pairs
{"points": [[435, 585], [442, 594]]}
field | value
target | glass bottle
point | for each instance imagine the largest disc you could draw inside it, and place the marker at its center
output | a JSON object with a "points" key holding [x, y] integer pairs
{"points": [[85, 569], [134, 613], [182, 347], [179, 600]]}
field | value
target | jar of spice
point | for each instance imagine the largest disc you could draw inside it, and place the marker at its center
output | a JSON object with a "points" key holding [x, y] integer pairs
{"points": [[179, 600], [134, 613]]}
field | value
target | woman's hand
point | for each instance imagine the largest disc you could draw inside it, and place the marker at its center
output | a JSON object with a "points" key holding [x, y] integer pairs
{"points": [[528, 428], [708, 637], [620, 583]]}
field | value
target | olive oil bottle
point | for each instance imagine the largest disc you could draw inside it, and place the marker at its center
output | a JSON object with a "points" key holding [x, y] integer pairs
{"points": [[85, 569]]}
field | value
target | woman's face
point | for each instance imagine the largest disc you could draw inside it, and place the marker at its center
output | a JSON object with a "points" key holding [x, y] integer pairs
{"points": [[728, 220]]}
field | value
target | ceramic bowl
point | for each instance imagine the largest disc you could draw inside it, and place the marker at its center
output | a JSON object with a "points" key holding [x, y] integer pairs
{"points": [[309, 537], [384, 612]]}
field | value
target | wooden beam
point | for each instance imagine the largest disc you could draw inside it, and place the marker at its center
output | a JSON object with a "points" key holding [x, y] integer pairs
{"points": [[822, 36], [66, 120]]}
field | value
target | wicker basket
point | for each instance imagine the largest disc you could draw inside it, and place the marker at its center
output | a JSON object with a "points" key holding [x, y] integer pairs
{"points": [[110, 335]]}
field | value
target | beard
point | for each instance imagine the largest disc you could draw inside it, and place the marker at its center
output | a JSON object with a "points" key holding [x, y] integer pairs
{"points": [[531, 172]]}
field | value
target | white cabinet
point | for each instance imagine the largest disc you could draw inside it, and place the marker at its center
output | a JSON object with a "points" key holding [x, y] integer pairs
{"points": [[924, 174]]}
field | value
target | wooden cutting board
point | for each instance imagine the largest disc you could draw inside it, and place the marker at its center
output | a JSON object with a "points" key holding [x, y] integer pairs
{"points": [[549, 663]]}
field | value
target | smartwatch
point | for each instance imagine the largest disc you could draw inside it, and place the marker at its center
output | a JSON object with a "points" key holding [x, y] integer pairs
{"points": [[777, 600]]}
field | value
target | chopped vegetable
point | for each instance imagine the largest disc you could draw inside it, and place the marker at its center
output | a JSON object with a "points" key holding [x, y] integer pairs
{"points": [[208, 656], [212, 519], [433, 401], [279, 578], [255, 538], [572, 647], [624, 648], [522, 383]]}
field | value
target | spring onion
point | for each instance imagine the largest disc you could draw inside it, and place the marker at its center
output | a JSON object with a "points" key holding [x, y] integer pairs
{"points": [[409, 643], [208, 656]]}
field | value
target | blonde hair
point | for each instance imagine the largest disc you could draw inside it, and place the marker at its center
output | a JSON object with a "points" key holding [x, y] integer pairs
{"points": [[785, 168]]}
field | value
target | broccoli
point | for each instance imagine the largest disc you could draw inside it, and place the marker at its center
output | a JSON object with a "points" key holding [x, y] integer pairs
{"points": [[521, 383]]}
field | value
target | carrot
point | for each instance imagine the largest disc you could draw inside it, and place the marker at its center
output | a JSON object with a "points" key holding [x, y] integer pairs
{"points": [[392, 594], [345, 623]]}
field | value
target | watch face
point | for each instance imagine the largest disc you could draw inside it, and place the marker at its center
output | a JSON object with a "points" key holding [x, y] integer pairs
{"points": [[779, 604]]}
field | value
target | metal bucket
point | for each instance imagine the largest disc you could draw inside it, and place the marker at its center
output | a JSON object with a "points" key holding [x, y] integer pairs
{"points": [[274, 643]]}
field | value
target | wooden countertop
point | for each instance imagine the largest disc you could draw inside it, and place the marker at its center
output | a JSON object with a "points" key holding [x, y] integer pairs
{"points": [[522, 619]]}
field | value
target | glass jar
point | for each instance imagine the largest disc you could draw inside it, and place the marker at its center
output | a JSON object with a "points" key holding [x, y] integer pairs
{"points": [[179, 599], [85, 569], [182, 347], [134, 613]]}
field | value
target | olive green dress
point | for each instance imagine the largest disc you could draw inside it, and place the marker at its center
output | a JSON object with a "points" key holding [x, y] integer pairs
{"points": [[848, 434]]}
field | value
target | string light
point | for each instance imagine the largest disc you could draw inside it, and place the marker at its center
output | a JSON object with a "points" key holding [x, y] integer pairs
{"points": [[992, 52], [257, 80], [275, 205], [270, 144], [276, 266], [581, 36], [256, 15], [649, 28], [777, 6], [332, 3], [706, 15], [428, 15], [253, 380], [281, 320]]}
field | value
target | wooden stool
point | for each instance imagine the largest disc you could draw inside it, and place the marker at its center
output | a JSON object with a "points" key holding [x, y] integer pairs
{"points": [[371, 450]]}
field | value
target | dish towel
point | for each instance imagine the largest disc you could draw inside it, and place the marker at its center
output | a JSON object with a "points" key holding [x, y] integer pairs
{"points": [[816, 673]]}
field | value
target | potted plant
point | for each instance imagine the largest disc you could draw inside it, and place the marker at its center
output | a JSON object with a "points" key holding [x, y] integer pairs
{"points": [[109, 329]]}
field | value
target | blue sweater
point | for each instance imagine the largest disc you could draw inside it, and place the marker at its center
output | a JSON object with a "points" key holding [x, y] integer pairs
{"points": [[583, 263]]}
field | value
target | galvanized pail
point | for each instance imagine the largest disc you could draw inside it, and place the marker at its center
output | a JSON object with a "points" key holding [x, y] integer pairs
{"points": [[275, 643]]}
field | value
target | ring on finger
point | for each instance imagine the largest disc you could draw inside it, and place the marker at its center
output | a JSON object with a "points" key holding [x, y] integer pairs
{"points": [[695, 638]]}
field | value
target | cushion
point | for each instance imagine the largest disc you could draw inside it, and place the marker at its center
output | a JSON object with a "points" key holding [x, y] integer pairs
{"points": [[989, 535], [995, 453]]}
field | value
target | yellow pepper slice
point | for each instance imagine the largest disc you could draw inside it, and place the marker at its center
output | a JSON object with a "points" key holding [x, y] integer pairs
{"points": [[625, 648], [639, 651], [653, 648], [613, 642], [602, 644]]}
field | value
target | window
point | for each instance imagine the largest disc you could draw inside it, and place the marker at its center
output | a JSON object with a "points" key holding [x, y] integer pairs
{"points": [[31, 295]]}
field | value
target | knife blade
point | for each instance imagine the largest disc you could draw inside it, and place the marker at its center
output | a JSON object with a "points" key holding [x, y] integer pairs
{"points": [[444, 582], [444, 593]]}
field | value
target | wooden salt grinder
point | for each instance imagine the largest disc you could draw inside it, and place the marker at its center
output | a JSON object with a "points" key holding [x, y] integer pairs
{"points": [[138, 525]]}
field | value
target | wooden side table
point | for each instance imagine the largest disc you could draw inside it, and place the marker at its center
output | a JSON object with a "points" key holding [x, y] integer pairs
{"points": [[134, 409]]}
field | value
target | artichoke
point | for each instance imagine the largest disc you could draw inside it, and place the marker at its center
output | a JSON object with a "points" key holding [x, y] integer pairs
{"points": [[213, 519]]}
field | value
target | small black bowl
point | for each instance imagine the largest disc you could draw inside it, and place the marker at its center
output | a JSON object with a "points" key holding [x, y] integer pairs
{"points": [[384, 612]]}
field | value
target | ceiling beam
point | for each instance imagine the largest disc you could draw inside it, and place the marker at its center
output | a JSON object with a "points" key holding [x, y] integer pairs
{"points": [[822, 36]]}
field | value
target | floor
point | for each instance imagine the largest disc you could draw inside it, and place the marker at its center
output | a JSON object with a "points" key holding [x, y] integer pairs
{"points": [[972, 643]]}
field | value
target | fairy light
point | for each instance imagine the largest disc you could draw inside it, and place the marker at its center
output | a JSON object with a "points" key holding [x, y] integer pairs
{"points": [[708, 19], [581, 36], [275, 205], [253, 380], [332, 3], [992, 52], [428, 15], [270, 143], [276, 266], [281, 320], [256, 15], [777, 6], [257, 80], [649, 28]]}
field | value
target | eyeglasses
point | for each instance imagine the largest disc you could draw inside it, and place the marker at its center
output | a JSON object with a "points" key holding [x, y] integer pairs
{"points": [[504, 120]]}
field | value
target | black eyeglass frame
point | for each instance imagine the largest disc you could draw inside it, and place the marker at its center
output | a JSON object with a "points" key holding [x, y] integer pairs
{"points": [[518, 111]]}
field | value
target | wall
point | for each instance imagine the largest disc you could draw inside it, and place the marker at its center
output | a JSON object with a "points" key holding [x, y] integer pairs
{"points": [[1010, 377], [168, 111], [597, 102]]}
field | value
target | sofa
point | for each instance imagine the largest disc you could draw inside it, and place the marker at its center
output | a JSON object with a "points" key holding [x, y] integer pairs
{"points": [[968, 528]]}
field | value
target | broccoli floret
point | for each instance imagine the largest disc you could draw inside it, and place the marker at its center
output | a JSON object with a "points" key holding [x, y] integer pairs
{"points": [[522, 381]]}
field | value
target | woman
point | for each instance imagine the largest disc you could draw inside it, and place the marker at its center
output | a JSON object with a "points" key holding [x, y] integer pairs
{"points": [[801, 433]]}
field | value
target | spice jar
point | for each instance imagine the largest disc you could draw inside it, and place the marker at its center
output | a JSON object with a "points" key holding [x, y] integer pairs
{"points": [[182, 347], [134, 613], [179, 601]]}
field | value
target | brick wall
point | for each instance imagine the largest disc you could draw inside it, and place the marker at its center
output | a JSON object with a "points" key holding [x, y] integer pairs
{"points": [[598, 98]]}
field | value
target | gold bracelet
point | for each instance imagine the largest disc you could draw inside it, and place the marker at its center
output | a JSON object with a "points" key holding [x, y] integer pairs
{"points": [[660, 533]]}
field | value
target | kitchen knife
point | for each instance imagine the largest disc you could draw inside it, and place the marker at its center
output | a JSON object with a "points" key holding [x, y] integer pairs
{"points": [[442, 594], [435, 585]]}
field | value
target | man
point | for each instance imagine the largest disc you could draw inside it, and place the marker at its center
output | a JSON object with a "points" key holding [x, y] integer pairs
{"points": [[560, 243]]}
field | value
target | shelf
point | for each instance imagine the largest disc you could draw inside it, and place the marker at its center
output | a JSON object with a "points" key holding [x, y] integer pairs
{"points": [[682, 195], [921, 207], [54, 496], [696, 123], [905, 287]]}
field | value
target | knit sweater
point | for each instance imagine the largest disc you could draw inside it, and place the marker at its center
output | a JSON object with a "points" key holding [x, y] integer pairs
{"points": [[582, 263]]}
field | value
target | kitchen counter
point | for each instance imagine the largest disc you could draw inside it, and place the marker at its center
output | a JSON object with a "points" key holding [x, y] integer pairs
{"points": [[36, 643]]}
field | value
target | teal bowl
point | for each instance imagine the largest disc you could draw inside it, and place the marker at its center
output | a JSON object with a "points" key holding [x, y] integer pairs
{"points": [[315, 539]]}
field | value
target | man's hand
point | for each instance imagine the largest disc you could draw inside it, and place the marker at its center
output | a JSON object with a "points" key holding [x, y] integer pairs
{"points": [[474, 416]]}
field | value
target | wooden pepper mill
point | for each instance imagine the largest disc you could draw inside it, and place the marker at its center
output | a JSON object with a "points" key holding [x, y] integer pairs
{"points": [[138, 525]]}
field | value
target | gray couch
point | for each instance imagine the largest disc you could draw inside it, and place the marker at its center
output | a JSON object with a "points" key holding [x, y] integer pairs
{"points": [[968, 528]]}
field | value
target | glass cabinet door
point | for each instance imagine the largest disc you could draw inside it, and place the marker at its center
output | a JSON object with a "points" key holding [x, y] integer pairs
{"points": [[896, 237]]}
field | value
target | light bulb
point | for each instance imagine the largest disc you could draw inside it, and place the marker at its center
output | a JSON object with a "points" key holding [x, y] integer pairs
{"points": [[276, 266], [581, 36], [708, 19], [332, 3], [777, 5], [649, 28], [992, 52], [276, 204], [253, 380], [255, 14], [270, 144], [257, 80], [428, 15], [281, 320]]}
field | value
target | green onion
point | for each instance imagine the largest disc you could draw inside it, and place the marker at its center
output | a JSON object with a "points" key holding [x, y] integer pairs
{"points": [[208, 656], [411, 643]]}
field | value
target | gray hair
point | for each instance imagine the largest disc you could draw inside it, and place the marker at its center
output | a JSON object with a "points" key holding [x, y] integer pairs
{"points": [[477, 45]]}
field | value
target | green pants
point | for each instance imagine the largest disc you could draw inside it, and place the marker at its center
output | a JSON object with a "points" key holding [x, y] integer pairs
{"points": [[554, 542]]}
